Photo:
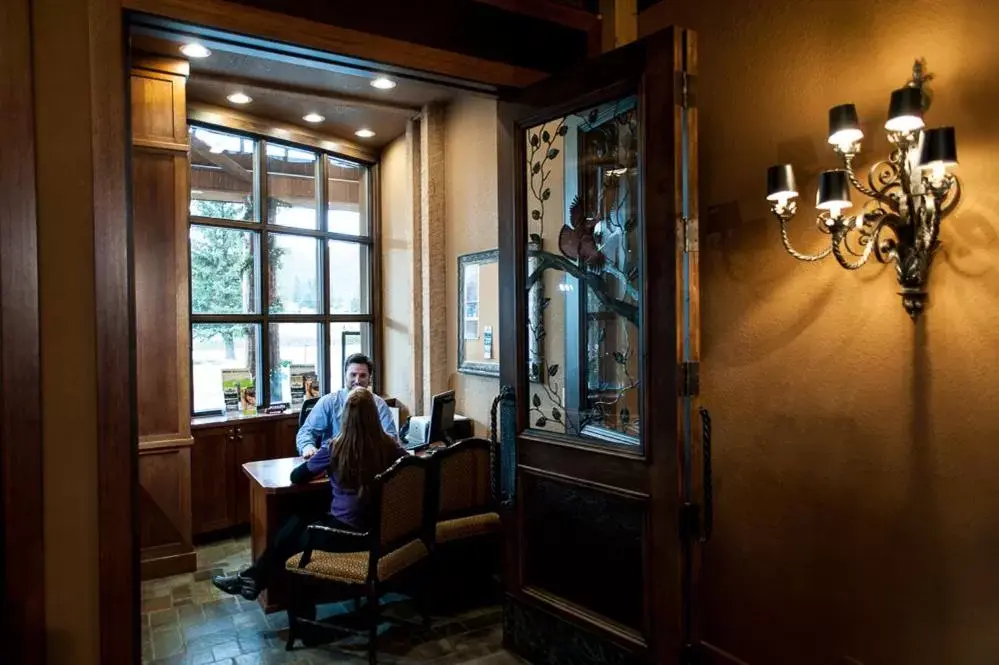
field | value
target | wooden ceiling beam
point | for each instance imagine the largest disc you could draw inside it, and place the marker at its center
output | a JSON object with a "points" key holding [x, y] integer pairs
{"points": [[282, 131], [301, 91], [553, 12], [246, 20], [221, 160]]}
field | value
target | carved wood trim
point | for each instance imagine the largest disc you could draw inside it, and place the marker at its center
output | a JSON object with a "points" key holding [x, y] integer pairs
{"points": [[155, 443], [162, 64], [581, 614], [160, 146]]}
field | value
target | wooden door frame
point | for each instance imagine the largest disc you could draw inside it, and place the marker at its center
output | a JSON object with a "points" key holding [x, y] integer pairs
{"points": [[117, 464], [22, 556], [20, 361], [263, 24], [662, 188]]}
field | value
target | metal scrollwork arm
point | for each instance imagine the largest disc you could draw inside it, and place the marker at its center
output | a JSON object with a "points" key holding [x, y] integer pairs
{"points": [[860, 187], [784, 216], [839, 241]]}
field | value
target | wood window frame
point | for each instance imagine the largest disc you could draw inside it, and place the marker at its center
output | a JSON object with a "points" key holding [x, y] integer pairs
{"points": [[262, 226]]}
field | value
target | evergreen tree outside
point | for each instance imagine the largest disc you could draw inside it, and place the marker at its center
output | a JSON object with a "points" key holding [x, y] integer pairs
{"points": [[221, 272]]}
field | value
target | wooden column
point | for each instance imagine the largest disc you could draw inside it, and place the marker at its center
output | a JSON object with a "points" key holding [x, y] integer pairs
{"points": [[433, 257], [162, 314], [22, 553]]}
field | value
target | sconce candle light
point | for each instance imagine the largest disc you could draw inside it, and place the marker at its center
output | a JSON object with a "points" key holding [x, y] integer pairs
{"points": [[908, 194]]}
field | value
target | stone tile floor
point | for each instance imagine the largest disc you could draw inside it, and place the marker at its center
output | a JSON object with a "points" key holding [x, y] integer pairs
{"points": [[187, 621]]}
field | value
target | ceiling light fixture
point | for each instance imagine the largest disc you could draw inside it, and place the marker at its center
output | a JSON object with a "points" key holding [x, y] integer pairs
{"points": [[195, 50], [313, 117], [239, 98], [383, 83], [909, 194], [364, 133]]}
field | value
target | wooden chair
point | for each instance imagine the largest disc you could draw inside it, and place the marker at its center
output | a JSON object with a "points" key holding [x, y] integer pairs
{"points": [[463, 479], [467, 535], [307, 407], [400, 538]]}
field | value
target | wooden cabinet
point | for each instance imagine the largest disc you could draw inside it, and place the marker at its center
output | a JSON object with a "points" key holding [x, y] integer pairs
{"points": [[162, 323], [249, 443], [211, 481], [283, 444], [220, 491]]}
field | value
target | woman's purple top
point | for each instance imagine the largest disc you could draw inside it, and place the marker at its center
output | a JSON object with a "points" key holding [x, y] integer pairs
{"points": [[344, 505]]}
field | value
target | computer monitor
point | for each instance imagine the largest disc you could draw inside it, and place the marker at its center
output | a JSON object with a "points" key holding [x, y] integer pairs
{"points": [[441, 417]]}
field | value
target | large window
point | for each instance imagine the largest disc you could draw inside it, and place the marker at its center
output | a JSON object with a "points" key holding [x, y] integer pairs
{"points": [[281, 270]]}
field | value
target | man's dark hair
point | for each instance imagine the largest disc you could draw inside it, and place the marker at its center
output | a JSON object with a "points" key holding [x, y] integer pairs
{"points": [[359, 359]]}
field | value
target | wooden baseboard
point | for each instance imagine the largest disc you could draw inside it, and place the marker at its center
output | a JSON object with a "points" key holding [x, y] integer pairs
{"points": [[544, 638], [165, 566]]}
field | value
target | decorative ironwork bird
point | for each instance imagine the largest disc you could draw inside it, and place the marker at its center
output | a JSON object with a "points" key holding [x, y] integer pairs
{"points": [[577, 241]]}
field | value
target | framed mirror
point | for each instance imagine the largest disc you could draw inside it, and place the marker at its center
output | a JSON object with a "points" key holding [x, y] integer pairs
{"points": [[478, 313]]}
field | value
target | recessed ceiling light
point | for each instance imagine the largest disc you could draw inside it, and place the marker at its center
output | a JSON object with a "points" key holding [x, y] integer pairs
{"points": [[239, 98], [195, 50], [382, 83], [313, 117], [364, 133]]}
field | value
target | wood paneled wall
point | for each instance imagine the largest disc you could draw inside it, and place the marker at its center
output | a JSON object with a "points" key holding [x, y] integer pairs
{"points": [[162, 313], [22, 554]]}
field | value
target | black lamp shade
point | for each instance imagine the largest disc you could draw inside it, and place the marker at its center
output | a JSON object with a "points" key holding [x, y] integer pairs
{"points": [[905, 111], [844, 126], [939, 147], [834, 190], [780, 182]]}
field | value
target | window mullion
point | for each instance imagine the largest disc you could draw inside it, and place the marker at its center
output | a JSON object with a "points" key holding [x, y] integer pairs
{"points": [[263, 210], [324, 266]]}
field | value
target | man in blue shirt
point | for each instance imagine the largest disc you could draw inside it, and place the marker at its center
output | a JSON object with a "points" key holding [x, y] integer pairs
{"points": [[323, 422]]}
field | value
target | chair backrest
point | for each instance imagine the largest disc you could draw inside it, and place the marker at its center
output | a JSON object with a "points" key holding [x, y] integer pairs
{"points": [[307, 406], [399, 500], [464, 478]]}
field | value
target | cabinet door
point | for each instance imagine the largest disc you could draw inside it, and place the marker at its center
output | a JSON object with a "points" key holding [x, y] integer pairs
{"points": [[283, 443], [249, 444], [211, 507]]}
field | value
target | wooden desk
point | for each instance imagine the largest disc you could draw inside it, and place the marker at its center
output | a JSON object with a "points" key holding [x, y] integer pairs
{"points": [[273, 499]]}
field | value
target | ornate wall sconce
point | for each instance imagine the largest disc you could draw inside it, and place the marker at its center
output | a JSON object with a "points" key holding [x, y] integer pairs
{"points": [[908, 194]]}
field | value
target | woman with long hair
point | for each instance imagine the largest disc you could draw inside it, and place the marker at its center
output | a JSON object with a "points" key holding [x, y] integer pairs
{"points": [[360, 452]]}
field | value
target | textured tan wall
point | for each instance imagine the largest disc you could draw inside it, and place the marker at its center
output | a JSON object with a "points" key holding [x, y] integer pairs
{"points": [[396, 363], [856, 454], [470, 192]]}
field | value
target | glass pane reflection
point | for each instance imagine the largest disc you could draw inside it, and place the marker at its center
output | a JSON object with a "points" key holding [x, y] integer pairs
{"points": [[584, 275]]}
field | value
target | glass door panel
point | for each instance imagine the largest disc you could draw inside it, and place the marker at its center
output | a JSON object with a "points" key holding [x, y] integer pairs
{"points": [[584, 245]]}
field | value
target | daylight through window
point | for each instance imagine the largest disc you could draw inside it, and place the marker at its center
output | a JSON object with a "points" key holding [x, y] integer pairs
{"points": [[281, 271]]}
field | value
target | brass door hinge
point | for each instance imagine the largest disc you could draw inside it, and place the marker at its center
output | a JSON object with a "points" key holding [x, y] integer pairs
{"points": [[690, 380], [685, 90], [687, 230]]}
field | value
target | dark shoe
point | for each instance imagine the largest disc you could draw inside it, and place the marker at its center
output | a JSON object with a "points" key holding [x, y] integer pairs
{"points": [[231, 584], [237, 585], [250, 591]]}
